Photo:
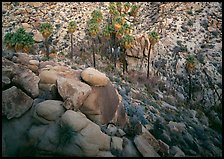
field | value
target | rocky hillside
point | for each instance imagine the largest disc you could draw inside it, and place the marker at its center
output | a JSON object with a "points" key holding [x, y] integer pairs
{"points": [[63, 107]]}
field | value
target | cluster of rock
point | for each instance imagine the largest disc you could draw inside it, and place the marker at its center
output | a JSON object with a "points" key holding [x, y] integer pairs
{"points": [[59, 111]]}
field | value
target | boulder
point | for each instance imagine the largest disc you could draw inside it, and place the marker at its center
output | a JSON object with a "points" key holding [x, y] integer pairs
{"points": [[14, 131], [33, 68], [129, 149], [5, 81], [94, 78], [88, 136], [27, 80], [50, 72], [144, 147], [116, 143], [48, 76], [34, 62], [101, 105], [176, 152], [49, 110], [27, 27], [150, 138], [49, 91], [37, 36], [73, 90], [104, 154], [22, 58], [15, 102]]}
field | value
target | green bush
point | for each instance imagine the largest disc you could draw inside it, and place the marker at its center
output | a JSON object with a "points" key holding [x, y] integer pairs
{"points": [[19, 40]]}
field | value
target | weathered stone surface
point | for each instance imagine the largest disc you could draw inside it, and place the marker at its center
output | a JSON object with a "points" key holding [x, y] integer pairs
{"points": [[94, 77], [38, 36], [34, 62], [49, 91], [116, 143], [73, 90], [176, 126], [50, 109], [90, 138], [33, 68], [129, 149], [15, 132], [150, 138], [22, 58], [27, 27], [101, 105], [48, 76], [27, 80], [104, 154], [15, 102], [144, 147], [5, 81], [176, 151]]}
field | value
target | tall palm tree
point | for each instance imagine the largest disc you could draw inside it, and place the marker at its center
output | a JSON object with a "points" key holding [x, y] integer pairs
{"points": [[46, 30], [153, 38], [190, 66], [71, 29]]}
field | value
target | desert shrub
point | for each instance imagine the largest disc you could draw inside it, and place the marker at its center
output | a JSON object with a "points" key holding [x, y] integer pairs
{"points": [[19, 40]]}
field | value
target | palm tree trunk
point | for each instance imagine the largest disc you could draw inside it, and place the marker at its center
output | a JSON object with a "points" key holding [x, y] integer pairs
{"points": [[71, 54], [94, 60], [47, 48], [148, 60], [189, 93]]}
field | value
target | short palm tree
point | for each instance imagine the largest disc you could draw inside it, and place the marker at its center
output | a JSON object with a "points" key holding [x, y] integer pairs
{"points": [[117, 22], [46, 30], [119, 6], [97, 14], [71, 29], [127, 41], [153, 38], [134, 10], [112, 7], [126, 7], [190, 63], [107, 32], [93, 28]]}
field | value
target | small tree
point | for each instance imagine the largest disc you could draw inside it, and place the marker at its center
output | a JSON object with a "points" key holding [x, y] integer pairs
{"points": [[153, 38], [71, 29], [46, 30]]}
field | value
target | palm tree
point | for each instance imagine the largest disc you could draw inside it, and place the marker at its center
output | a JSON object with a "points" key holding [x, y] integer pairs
{"points": [[126, 7], [46, 30], [127, 43], [97, 14], [190, 66], [134, 10], [153, 38], [71, 29], [93, 28]]}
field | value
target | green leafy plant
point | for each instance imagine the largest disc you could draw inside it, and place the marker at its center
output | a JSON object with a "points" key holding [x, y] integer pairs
{"points": [[20, 40], [46, 30], [153, 38], [71, 29]]}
